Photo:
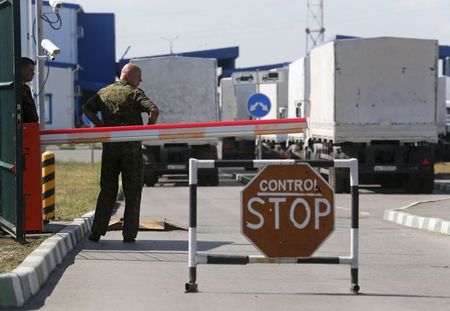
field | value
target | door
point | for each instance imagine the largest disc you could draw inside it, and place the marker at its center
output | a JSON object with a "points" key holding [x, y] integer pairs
{"points": [[11, 190]]}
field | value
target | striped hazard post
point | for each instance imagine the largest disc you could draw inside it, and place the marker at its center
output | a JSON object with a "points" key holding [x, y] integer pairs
{"points": [[48, 186]]}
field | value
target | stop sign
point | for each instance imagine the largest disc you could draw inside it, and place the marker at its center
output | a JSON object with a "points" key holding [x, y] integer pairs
{"points": [[287, 210]]}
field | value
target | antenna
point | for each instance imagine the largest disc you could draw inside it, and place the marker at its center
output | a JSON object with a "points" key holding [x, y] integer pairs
{"points": [[314, 24], [126, 51]]}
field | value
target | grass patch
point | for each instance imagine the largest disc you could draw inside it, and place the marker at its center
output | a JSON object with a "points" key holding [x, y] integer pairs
{"points": [[13, 253], [77, 187]]}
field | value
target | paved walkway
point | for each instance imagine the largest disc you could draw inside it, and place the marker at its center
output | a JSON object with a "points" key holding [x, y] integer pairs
{"points": [[27, 279]]}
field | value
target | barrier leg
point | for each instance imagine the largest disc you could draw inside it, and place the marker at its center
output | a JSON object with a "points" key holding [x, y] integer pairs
{"points": [[355, 226], [191, 286]]}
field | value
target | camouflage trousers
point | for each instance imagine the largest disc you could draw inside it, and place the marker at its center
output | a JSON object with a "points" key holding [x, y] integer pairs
{"points": [[120, 158]]}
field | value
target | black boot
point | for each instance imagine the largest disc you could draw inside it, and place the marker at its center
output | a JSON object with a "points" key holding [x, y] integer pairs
{"points": [[94, 237]]}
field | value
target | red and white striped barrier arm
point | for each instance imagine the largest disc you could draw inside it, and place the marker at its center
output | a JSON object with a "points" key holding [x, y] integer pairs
{"points": [[164, 132]]}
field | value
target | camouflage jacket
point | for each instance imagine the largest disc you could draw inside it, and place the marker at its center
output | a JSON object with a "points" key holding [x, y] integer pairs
{"points": [[120, 104], [29, 111]]}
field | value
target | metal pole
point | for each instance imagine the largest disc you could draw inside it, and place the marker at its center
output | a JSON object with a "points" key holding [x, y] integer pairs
{"points": [[40, 100], [30, 30], [355, 225], [92, 154], [20, 208], [259, 136], [191, 286]]}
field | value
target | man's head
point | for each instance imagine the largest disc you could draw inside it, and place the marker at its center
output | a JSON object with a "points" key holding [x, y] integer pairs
{"points": [[27, 69], [132, 74]]}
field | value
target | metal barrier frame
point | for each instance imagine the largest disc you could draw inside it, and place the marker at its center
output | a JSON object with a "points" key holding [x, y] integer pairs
{"points": [[195, 258]]}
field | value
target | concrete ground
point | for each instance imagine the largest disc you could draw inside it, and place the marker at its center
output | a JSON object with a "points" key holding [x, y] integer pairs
{"points": [[400, 268]]}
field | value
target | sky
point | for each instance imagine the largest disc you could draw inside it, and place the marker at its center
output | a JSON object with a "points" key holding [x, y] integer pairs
{"points": [[266, 31]]}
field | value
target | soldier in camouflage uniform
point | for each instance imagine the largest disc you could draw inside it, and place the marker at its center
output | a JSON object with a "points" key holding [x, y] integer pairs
{"points": [[29, 112], [120, 103]]}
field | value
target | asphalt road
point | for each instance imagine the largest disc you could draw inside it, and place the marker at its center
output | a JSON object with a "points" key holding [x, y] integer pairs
{"points": [[400, 268]]}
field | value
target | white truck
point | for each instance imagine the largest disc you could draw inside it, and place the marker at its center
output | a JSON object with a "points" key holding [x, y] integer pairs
{"points": [[185, 91], [233, 107], [277, 92], [298, 102], [374, 99], [234, 94]]}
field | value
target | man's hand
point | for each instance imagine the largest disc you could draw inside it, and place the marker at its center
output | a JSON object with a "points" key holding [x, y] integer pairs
{"points": [[153, 116]]}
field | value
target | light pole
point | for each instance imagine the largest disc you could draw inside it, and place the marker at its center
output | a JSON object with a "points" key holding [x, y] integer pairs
{"points": [[170, 42]]}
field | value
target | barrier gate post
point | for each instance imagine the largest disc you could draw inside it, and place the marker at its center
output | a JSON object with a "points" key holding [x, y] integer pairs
{"points": [[195, 258]]}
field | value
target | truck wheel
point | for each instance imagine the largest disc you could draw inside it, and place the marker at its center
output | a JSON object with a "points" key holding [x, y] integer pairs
{"points": [[412, 184], [423, 183], [208, 177], [427, 183], [150, 179], [339, 180], [390, 182]]}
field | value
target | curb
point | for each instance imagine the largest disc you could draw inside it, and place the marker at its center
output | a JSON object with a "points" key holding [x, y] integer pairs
{"points": [[25, 281], [432, 224]]}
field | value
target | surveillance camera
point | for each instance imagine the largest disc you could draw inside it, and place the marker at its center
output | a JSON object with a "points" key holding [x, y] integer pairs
{"points": [[51, 49], [56, 5]]}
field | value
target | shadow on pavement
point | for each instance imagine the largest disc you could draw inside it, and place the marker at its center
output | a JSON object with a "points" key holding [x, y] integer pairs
{"points": [[150, 245], [381, 295]]}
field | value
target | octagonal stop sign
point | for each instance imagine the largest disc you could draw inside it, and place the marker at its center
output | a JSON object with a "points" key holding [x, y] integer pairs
{"points": [[287, 210]]}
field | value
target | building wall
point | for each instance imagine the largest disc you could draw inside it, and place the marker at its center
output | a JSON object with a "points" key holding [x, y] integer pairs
{"points": [[59, 97]]}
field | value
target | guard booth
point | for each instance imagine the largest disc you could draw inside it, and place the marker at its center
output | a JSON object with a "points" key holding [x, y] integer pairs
{"points": [[11, 192]]}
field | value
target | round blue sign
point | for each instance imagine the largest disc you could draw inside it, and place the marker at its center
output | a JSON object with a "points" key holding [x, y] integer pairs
{"points": [[258, 105]]}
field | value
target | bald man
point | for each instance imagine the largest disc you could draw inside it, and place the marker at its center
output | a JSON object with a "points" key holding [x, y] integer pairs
{"points": [[120, 103]]}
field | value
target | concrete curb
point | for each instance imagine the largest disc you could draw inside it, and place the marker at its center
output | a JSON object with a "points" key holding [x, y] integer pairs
{"points": [[399, 216], [25, 281]]}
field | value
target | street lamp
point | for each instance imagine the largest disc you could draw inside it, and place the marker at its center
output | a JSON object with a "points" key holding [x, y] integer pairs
{"points": [[170, 42]]}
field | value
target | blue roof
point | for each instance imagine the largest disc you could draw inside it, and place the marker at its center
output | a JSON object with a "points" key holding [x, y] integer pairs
{"points": [[226, 57], [221, 53]]}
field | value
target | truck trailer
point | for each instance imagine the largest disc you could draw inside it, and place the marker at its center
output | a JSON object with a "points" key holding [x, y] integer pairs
{"points": [[234, 94], [185, 90], [374, 99]]}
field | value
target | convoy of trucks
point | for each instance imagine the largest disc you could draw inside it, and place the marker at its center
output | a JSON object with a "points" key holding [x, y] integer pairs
{"points": [[377, 99]]}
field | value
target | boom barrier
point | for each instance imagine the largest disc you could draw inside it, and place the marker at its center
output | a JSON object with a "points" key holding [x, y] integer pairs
{"points": [[178, 132]]}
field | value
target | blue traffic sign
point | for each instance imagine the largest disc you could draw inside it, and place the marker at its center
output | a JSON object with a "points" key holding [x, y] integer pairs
{"points": [[258, 105]]}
